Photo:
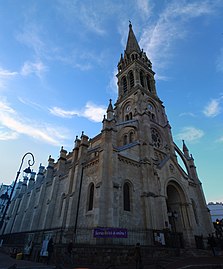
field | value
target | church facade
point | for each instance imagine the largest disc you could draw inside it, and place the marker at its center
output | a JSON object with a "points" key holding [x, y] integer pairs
{"points": [[125, 179]]}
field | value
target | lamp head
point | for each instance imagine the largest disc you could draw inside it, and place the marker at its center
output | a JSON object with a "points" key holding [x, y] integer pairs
{"points": [[27, 170]]}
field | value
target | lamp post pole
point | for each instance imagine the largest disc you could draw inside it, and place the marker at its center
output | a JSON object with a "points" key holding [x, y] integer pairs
{"points": [[27, 170]]}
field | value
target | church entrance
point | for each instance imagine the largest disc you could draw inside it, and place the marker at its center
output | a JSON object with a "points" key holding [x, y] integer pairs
{"points": [[175, 201], [176, 212]]}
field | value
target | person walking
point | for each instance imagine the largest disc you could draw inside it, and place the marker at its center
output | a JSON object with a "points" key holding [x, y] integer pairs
{"points": [[50, 248], [138, 256]]}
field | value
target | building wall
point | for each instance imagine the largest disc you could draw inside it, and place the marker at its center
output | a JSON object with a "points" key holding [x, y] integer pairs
{"points": [[85, 187]]}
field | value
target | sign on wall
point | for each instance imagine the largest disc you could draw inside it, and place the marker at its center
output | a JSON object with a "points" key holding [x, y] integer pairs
{"points": [[110, 233]]}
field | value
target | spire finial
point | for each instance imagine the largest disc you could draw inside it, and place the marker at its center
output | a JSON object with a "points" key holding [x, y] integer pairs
{"points": [[132, 44]]}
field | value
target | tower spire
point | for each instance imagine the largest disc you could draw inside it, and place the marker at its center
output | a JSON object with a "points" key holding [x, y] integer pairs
{"points": [[110, 111], [185, 150], [132, 44]]}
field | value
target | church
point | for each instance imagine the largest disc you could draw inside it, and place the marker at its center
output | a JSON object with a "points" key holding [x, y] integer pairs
{"points": [[123, 186]]}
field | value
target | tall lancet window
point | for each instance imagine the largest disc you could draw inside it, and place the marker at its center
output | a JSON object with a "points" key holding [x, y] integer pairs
{"points": [[131, 79], [148, 83], [125, 139], [126, 196], [91, 197], [142, 78], [131, 137], [124, 84]]}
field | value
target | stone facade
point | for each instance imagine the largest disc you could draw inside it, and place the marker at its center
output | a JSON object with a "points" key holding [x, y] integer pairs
{"points": [[128, 176]]}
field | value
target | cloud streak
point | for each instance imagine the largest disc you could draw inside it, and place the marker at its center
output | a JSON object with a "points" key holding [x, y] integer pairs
{"points": [[213, 108], [28, 68], [31, 37], [190, 134], [158, 39], [6, 75], [144, 6], [16, 125], [38, 68], [7, 135], [90, 111]]}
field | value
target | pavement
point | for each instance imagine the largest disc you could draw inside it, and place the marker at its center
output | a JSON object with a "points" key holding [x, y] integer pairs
{"points": [[6, 262]]}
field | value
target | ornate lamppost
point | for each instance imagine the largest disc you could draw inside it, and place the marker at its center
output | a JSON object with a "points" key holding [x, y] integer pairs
{"points": [[28, 171]]}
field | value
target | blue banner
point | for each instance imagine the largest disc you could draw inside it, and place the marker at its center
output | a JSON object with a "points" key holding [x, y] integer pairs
{"points": [[110, 233]]}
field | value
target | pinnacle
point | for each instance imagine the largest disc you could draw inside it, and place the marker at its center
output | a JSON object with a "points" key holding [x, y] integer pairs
{"points": [[132, 43]]}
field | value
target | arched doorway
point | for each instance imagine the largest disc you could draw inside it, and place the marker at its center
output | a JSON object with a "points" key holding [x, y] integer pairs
{"points": [[176, 202]]}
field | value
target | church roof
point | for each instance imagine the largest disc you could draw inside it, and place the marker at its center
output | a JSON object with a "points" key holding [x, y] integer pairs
{"points": [[132, 43]]}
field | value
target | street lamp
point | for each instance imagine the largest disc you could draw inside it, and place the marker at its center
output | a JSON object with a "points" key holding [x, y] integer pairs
{"points": [[28, 171]]}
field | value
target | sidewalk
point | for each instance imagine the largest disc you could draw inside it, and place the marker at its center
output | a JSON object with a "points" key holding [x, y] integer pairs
{"points": [[174, 263], [6, 262]]}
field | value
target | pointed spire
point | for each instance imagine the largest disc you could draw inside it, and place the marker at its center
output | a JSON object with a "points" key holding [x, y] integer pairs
{"points": [[110, 111], [132, 43], [185, 150], [110, 107]]}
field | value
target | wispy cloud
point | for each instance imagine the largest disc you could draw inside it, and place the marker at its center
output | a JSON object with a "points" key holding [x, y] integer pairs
{"points": [[213, 108], [84, 13], [17, 125], [190, 134], [190, 114], [59, 112], [38, 68], [6, 75], [31, 37], [94, 112], [159, 38], [90, 111], [112, 86], [91, 19], [30, 103], [7, 135], [144, 6]]}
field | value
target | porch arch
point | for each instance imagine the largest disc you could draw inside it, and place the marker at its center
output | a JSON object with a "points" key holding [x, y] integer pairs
{"points": [[177, 207]]}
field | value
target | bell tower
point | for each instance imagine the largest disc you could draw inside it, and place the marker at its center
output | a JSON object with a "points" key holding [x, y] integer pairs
{"points": [[147, 157], [138, 100], [134, 70]]}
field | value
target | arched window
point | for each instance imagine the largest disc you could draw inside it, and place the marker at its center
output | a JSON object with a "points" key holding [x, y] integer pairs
{"points": [[131, 79], [126, 196], [131, 137], [156, 138], [91, 197], [125, 139], [148, 83], [126, 117], [142, 78], [124, 84], [130, 115]]}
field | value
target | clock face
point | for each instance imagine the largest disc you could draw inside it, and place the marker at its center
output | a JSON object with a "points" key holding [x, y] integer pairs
{"points": [[150, 107], [128, 108]]}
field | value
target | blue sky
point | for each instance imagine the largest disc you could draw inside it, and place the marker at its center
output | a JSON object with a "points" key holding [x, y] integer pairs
{"points": [[58, 60]]}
